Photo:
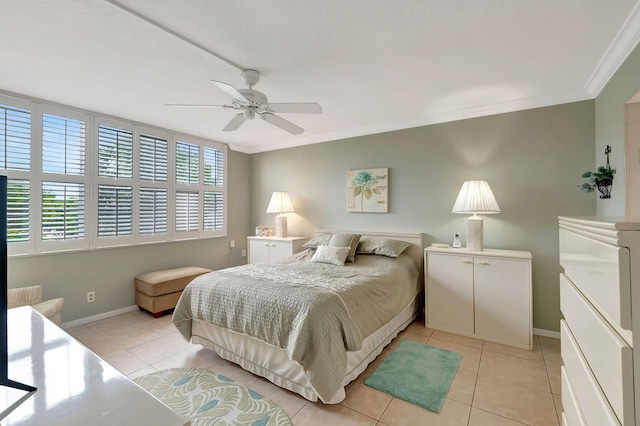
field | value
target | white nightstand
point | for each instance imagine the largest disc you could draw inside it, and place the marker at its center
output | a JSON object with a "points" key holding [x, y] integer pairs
{"points": [[483, 294], [263, 249]]}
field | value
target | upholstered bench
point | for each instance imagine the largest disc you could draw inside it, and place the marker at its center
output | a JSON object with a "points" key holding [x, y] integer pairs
{"points": [[159, 291]]}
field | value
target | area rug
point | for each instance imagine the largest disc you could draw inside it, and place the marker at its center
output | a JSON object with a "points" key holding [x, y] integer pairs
{"points": [[206, 398], [417, 373]]}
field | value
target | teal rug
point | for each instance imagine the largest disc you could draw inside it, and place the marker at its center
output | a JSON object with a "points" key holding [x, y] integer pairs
{"points": [[417, 373], [206, 398]]}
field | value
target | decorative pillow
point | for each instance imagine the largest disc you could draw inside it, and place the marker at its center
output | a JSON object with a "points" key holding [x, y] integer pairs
{"points": [[332, 255], [346, 240], [382, 246], [318, 240]]}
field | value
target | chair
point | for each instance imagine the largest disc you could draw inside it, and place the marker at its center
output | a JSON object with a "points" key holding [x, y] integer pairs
{"points": [[32, 296]]}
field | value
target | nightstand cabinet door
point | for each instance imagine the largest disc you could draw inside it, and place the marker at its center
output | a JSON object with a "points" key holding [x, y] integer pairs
{"points": [[258, 250], [280, 249], [450, 292], [501, 297]]}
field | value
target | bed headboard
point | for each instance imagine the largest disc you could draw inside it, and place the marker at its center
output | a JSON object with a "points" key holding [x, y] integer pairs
{"points": [[416, 250]]}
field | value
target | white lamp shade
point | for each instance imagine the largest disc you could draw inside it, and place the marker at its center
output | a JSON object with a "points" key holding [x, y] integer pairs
{"points": [[280, 203], [476, 197]]}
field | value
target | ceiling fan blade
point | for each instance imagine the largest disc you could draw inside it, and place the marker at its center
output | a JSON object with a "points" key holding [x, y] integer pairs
{"points": [[282, 123], [230, 90], [234, 123], [300, 107], [198, 105]]}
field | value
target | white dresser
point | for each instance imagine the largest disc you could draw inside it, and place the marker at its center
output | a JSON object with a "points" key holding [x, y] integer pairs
{"points": [[600, 302], [483, 294]]}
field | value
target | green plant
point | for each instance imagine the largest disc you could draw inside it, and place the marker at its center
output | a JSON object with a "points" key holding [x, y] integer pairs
{"points": [[603, 177]]}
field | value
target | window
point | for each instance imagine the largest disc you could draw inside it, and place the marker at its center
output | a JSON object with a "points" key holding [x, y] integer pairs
{"points": [[62, 211], [79, 181]]}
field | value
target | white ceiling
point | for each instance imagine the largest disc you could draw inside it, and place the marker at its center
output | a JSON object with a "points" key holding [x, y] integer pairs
{"points": [[373, 65]]}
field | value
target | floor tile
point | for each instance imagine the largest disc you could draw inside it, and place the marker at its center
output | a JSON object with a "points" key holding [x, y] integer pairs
{"points": [[470, 355], [463, 386], [484, 418], [124, 362], [402, 413], [418, 327], [160, 348], [364, 399], [533, 355], [290, 402], [141, 372], [515, 402], [557, 399], [98, 344], [318, 414], [516, 370], [456, 338], [195, 356], [405, 335]]}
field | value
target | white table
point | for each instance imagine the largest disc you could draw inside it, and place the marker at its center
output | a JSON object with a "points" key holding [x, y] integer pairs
{"points": [[75, 386]]}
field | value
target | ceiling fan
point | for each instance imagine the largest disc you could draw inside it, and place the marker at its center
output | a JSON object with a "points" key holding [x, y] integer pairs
{"points": [[251, 103]]}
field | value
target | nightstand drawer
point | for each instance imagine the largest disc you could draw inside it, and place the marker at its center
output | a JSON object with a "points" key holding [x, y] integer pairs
{"points": [[572, 410]]}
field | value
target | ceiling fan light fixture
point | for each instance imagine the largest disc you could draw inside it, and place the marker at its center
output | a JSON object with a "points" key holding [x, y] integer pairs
{"points": [[249, 113]]}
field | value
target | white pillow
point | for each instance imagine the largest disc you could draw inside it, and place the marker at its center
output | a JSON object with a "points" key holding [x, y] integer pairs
{"points": [[332, 255]]}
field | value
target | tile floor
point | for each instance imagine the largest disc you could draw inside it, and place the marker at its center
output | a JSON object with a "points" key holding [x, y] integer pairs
{"points": [[495, 385]]}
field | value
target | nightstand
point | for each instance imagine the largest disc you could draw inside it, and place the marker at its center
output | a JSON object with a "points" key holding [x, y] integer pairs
{"points": [[482, 294], [264, 249]]}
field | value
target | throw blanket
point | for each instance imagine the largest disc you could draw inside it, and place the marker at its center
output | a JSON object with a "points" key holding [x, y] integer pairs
{"points": [[316, 312]]}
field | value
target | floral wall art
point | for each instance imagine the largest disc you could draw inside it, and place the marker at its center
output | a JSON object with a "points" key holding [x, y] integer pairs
{"points": [[368, 190]]}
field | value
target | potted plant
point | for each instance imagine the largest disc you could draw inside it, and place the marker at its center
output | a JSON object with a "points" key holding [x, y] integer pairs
{"points": [[601, 179]]}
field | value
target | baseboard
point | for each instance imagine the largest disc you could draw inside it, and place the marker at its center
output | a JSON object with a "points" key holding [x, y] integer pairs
{"points": [[546, 333], [98, 317]]}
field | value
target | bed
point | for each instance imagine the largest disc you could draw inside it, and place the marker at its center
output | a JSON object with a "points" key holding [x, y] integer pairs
{"points": [[309, 327]]}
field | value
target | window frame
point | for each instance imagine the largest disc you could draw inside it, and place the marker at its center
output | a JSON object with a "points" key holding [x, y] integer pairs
{"points": [[91, 181]]}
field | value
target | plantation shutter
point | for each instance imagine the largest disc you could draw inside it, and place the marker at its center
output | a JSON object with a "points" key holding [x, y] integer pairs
{"points": [[18, 196], [115, 153], [213, 166], [153, 211], [187, 214], [213, 210], [62, 211], [187, 163], [153, 158], [63, 145], [15, 138], [115, 211]]}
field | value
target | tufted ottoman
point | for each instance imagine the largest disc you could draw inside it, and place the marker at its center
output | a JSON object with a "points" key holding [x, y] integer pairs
{"points": [[159, 291]]}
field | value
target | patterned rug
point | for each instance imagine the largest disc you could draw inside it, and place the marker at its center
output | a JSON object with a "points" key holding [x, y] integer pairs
{"points": [[207, 398]]}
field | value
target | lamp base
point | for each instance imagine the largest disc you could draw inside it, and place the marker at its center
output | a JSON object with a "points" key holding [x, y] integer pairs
{"points": [[474, 233], [281, 226]]}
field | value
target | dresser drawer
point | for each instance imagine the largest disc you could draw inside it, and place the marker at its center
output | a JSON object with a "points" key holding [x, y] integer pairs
{"points": [[591, 401], [572, 414], [609, 357], [602, 272]]}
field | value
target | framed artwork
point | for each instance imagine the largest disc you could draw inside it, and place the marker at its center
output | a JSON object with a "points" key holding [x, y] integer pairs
{"points": [[368, 190]]}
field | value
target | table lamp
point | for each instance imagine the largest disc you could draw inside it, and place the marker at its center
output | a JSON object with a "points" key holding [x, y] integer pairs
{"points": [[475, 197], [280, 203]]}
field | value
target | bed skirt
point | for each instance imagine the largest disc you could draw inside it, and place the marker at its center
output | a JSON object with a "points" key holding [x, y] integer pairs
{"points": [[273, 363]]}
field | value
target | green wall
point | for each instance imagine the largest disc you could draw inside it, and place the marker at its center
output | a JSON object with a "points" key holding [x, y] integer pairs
{"points": [[610, 126], [110, 272], [532, 159]]}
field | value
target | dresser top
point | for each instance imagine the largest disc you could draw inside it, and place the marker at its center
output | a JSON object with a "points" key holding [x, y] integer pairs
{"points": [[614, 223], [510, 254]]}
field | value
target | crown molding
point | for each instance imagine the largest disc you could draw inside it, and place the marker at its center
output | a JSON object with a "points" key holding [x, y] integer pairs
{"points": [[623, 44]]}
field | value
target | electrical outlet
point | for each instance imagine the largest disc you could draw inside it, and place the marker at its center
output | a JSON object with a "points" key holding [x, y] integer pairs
{"points": [[244, 254], [91, 296], [232, 244]]}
